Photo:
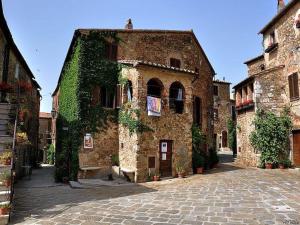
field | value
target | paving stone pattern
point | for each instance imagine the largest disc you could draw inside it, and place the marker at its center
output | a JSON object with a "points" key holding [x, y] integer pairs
{"points": [[227, 195]]}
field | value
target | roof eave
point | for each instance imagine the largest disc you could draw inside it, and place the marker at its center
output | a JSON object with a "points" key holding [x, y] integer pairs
{"points": [[278, 16]]}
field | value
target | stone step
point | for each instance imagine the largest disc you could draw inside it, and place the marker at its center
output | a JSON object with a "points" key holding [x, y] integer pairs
{"points": [[4, 121], [6, 139], [3, 126], [5, 106], [4, 219], [5, 116], [3, 132], [5, 111], [4, 196]]}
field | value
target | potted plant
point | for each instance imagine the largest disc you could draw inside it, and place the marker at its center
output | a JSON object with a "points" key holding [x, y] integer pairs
{"points": [[6, 158], [269, 164], [213, 158], [156, 177], [4, 209], [198, 162], [282, 164], [6, 178], [181, 162], [5, 87]]}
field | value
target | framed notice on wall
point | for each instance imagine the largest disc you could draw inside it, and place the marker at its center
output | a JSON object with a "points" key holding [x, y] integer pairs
{"points": [[164, 147], [88, 141]]}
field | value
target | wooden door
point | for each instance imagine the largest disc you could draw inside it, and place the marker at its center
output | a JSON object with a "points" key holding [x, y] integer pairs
{"points": [[224, 139], [165, 158], [296, 148]]}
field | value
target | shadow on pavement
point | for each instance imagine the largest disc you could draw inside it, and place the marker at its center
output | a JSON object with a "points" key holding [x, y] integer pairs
{"points": [[41, 196]]}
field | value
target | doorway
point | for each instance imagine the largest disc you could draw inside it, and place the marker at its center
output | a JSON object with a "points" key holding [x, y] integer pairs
{"points": [[296, 148], [224, 139], [165, 158]]}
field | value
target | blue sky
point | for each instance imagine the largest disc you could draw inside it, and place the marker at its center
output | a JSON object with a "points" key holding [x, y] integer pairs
{"points": [[226, 29]]}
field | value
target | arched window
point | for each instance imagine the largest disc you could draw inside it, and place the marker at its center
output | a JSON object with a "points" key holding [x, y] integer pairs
{"points": [[176, 97], [154, 88]]}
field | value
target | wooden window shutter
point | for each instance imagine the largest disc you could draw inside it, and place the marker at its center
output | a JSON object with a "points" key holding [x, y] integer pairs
{"points": [[296, 86], [291, 86], [95, 95], [200, 112], [114, 51], [119, 96]]}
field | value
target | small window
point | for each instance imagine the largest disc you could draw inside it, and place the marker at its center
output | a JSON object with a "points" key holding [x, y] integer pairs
{"points": [[151, 162], [196, 70], [272, 39], [176, 97], [216, 90], [197, 111], [111, 51], [293, 86], [107, 98], [175, 63]]}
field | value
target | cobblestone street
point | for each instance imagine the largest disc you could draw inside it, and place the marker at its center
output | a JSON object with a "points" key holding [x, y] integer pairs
{"points": [[227, 195]]}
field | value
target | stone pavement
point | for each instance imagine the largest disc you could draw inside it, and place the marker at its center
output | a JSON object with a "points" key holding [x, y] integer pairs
{"points": [[226, 195]]}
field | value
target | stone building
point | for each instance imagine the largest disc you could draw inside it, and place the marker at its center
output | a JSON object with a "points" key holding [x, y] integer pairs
{"points": [[168, 87], [45, 124], [224, 110], [272, 81]]}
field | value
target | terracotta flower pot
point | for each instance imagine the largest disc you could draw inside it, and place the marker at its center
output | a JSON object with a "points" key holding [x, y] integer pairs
{"points": [[4, 211], [181, 175], [200, 170], [281, 166], [156, 178], [269, 166]]}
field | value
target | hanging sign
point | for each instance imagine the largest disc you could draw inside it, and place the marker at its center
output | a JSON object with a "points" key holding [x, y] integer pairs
{"points": [[88, 141]]}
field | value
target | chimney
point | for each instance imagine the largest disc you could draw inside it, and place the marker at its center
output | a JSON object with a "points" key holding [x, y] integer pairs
{"points": [[280, 5], [129, 25]]}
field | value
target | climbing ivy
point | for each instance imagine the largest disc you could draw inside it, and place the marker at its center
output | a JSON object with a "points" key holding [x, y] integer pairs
{"points": [[130, 118], [87, 69]]}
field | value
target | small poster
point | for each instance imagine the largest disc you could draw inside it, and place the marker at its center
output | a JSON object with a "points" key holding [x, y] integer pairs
{"points": [[164, 156], [164, 147], [88, 141]]}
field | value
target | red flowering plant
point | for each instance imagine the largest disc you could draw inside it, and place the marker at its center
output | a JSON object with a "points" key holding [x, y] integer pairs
{"points": [[5, 87], [24, 86]]}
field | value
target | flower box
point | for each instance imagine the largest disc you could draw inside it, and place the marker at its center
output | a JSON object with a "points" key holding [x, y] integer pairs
{"points": [[5, 87]]}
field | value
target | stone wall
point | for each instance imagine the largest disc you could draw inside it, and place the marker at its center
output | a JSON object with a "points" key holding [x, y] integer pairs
{"points": [[169, 126], [223, 104], [106, 144], [246, 155], [271, 88], [2, 46]]}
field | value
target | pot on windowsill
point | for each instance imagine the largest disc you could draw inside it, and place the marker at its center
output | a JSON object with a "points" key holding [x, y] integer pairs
{"points": [[200, 170], [269, 165]]}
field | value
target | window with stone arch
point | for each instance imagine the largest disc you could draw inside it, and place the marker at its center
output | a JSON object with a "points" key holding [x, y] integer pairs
{"points": [[155, 88], [176, 97]]}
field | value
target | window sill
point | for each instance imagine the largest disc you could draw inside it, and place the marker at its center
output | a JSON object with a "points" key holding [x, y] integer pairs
{"points": [[271, 48]]}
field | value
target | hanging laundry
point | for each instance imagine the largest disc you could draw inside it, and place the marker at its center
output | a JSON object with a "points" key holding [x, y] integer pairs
{"points": [[153, 106]]}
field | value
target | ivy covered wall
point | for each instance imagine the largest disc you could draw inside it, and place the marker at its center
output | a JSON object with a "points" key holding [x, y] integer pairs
{"points": [[86, 69]]}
